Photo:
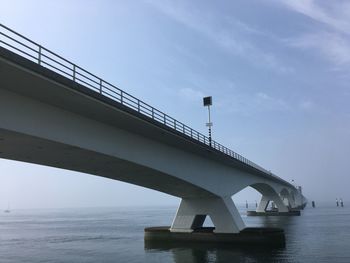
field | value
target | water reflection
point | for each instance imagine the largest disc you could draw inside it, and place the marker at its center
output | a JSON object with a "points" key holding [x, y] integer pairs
{"points": [[199, 253]]}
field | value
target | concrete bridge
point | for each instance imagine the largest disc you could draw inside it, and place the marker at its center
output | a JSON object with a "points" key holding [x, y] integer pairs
{"points": [[54, 113]]}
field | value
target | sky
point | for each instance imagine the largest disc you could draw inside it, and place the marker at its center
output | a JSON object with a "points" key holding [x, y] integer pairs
{"points": [[278, 72]]}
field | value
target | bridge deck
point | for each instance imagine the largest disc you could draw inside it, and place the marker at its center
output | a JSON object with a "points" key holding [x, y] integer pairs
{"points": [[93, 90]]}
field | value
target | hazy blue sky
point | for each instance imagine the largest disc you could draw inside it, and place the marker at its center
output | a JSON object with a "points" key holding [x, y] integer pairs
{"points": [[278, 72]]}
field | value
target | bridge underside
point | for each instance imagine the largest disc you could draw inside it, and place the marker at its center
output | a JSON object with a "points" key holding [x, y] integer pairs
{"points": [[30, 149]]}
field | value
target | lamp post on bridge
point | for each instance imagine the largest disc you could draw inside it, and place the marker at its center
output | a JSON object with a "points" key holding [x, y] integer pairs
{"points": [[207, 102]]}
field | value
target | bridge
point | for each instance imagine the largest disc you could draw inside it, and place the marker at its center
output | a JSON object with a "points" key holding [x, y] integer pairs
{"points": [[55, 113]]}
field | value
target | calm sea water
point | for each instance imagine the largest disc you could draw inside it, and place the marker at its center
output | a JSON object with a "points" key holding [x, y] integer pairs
{"points": [[116, 235]]}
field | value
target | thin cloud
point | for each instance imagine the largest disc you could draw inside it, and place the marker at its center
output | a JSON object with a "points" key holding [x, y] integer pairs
{"points": [[228, 34], [191, 94], [332, 46], [253, 104], [331, 38], [306, 105], [267, 102], [335, 14]]}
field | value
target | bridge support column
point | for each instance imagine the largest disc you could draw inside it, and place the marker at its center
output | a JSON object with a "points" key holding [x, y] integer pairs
{"points": [[276, 199], [291, 201], [264, 202], [222, 211]]}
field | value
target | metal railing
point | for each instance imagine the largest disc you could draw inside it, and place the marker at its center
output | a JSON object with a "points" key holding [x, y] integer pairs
{"points": [[25, 47]]}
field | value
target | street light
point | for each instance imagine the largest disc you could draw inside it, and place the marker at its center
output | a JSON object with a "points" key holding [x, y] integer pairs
{"points": [[207, 102]]}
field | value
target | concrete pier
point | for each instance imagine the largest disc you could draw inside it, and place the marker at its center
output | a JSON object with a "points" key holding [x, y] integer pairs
{"points": [[272, 237], [274, 213]]}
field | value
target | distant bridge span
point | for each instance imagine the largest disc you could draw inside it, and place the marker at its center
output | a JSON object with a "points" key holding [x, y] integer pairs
{"points": [[55, 113]]}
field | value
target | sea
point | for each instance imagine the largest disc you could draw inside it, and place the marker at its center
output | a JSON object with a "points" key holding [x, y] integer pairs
{"points": [[116, 234]]}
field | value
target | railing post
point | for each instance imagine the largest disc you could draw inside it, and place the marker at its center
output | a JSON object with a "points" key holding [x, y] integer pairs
{"points": [[100, 86], [152, 113], [39, 55], [121, 97], [164, 119], [74, 72], [138, 105]]}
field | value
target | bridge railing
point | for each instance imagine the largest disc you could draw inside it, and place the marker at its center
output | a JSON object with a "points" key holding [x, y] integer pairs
{"points": [[27, 48]]}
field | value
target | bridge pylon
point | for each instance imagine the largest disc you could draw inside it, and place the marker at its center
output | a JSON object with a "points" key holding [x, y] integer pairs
{"points": [[222, 211]]}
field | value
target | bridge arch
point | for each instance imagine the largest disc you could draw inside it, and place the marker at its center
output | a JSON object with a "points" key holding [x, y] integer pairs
{"points": [[287, 197], [269, 194]]}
